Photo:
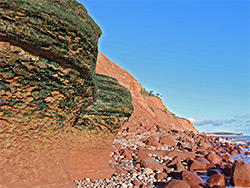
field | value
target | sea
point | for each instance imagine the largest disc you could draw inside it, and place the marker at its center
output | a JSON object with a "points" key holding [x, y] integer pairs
{"points": [[240, 140], [244, 140]]}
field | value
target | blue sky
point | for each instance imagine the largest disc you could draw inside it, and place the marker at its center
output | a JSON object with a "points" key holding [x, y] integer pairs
{"points": [[194, 53]]}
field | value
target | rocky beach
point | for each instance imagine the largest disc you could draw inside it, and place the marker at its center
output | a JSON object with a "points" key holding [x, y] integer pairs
{"points": [[69, 117], [171, 158]]}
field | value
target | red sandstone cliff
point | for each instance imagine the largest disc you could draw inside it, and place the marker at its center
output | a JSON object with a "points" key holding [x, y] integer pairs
{"points": [[148, 111]]}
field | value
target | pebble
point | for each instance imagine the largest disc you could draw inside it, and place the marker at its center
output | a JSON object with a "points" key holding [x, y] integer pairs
{"points": [[148, 171]]}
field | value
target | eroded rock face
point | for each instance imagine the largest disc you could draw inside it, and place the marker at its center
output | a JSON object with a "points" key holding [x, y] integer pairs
{"points": [[154, 112], [58, 118]]}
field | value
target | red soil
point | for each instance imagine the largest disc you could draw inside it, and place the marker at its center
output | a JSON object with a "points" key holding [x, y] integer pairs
{"points": [[148, 111]]}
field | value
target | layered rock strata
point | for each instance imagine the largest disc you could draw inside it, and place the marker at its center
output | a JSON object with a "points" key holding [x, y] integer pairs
{"points": [[58, 118]]}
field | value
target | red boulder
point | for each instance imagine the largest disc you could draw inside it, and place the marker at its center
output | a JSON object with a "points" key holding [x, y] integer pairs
{"points": [[213, 158], [240, 175], [196, 165], [153, 141], [191, 178], [147, 163], [217, 179], [167, 141]]}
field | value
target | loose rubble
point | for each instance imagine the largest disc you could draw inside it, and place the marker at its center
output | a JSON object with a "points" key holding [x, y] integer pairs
{"points": [[172, 158]]}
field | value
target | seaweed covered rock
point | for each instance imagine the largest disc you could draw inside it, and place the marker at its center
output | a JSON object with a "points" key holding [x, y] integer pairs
{"points": [[58, 118], [61, 31]]}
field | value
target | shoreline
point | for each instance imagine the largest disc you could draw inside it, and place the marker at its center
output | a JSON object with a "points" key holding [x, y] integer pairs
{"points": [[156, 158]]}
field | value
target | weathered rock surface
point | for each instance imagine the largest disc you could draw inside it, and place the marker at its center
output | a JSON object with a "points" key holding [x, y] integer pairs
{"points": [[58, 118], [240, 175], [154, 112]]}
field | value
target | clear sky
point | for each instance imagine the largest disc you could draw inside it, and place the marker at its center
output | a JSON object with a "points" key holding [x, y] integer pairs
{"points": [[194, 53]]}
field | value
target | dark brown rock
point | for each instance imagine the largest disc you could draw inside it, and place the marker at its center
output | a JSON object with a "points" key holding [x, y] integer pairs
{"points": [[211, 172], [227, 169], [240, 150], [226, 158], [234, 152], [58, 107], [247, 153]]}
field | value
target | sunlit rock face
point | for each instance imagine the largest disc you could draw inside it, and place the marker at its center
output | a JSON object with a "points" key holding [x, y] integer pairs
{"points": [[148, 111], [58, 118]]}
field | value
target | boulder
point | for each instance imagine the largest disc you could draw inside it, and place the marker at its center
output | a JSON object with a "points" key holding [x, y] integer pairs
{"points": [[167, 141], [152, 141], [240, 175], [209, 165], [217, 179], [147, 163], [196, 165], [213, 158], [191, 178], [204, 145]]}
